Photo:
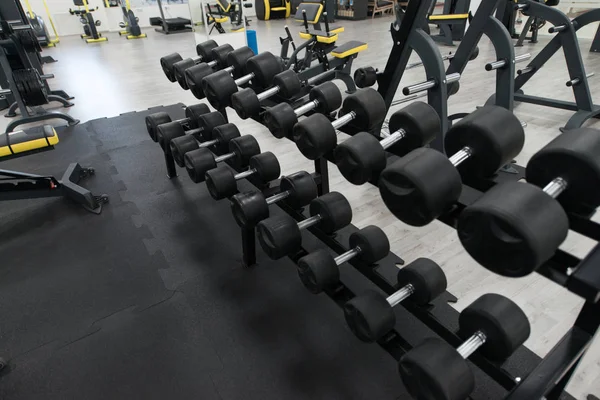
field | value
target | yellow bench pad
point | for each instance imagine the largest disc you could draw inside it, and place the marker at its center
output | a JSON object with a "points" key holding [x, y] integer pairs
{"points": [[21, 141], [448, 16], [322, 36], [219, 20], [348, 49]]}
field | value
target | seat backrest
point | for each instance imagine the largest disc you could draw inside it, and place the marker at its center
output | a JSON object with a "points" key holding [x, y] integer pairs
{"points": [[313, 12], [224, 5]]}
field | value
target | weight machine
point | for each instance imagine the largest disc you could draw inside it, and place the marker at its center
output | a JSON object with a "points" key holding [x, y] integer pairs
{"points": [[130, 25], [90, 31]]}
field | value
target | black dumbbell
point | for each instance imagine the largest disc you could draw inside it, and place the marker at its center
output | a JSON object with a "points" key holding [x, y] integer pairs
{"points": [[365, 77], [214, 57], [316, 135], [205, 123], [371, 315], [167, 62], [515, 227], [247, 103], [422, 185], [221, 182], [362, 157], [280, 119], [233, 64], [282, 235], [260, 69], [217, 136], [434, 370], [319, 269], [198, 162], [297, 189], [192, 113]]}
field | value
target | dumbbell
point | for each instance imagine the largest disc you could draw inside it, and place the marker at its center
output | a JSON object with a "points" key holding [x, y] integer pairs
{"points": [[280, 119], [215, 57], [287, 84], [316, 135], [434, 370], [319, 269], [202, 49], [371, 316], [297, 189], [221, 182], [247, 103], [205, 123], [362, 157], [198, 162], [192, 113], [217, 136], [260, 69], [282, 235], [233, 63], [422, 185], [515, 227]]}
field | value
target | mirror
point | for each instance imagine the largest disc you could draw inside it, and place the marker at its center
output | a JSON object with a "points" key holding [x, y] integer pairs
{"points": [[221, 20]]}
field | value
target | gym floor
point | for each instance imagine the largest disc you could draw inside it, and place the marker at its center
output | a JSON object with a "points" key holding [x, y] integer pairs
{"points": [[122, 75]]}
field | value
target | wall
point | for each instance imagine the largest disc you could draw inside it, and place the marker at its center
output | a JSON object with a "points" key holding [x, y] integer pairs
{"points": [[68, 24]]}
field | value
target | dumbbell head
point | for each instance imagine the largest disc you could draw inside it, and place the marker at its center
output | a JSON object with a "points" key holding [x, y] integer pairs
{"points": [[265, 66], [319, 270], [194, 113], [328, 95], [197, 162], [166, 64], [245, 102], [365, 77], [369, 107], [314, 136], [371, 316], [179, 69], [513, 228], [167, 132], [212, 120], [194, 76], [361, 158], [244, 148], [204, 49], [250, 208], [280, 236], [420, 186], [288, 83], [573, 156], [218, 88], [219, 55], [221, 182], [494, 135], [238, 59], [154, 120]]}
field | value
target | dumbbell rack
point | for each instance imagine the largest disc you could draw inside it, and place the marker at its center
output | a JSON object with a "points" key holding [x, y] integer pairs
{"points": [[547, 378]]}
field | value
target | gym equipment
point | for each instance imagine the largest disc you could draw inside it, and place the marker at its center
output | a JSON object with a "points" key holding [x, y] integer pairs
{"points": [[204, 126], [215, 131], [494, 65], [211, 57], [170, 25], [362, 157], [316, 135], [452, 22], [222, 182], [260, 69], [16, 185], [226, 10], [39, 26], [296, 190], [515, 227], [429, 84], [280, 119], [23, 78], [371, 316], [269, 9], [130, 23], [422, 185], [319, 270], [90, 31], [281, 235], [233, 63], [198, 162], [192, 114], [533, 25], [492, 324], [167, 63]]}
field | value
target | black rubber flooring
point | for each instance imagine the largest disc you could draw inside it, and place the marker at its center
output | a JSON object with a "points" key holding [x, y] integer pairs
{"points": [[149, 299]]}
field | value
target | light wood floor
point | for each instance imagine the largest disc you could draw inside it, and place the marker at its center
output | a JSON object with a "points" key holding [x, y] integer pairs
{"points": [[120, 76]]}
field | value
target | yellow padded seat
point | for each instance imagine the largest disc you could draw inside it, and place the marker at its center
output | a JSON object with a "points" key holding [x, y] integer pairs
{"points": [[348, 49], [321, 36], [22, 142], [219, 20]]}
